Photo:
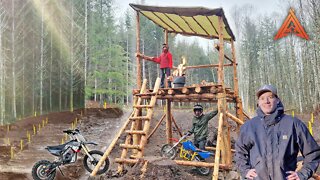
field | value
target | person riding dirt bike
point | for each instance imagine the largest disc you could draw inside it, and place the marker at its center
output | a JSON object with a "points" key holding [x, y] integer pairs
{"points": [[200, 126]]}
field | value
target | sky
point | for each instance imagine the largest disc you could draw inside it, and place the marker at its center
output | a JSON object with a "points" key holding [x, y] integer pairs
{"points": [[260, 7]]}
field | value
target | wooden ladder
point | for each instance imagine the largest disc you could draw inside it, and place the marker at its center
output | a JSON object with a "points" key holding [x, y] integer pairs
{"points": [[136, 136]]}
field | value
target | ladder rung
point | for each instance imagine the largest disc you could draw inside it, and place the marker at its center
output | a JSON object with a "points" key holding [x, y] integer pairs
{"points": [[136, 132], [132, 161], [140, 118], [142, 106], [130, 146], [146, 94]]}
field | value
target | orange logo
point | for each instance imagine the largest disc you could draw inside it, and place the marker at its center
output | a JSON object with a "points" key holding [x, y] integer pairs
{"points": [[291, 25]]}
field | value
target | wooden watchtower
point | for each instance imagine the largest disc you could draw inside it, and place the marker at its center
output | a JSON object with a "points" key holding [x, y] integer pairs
{"points": [[193, 21]]}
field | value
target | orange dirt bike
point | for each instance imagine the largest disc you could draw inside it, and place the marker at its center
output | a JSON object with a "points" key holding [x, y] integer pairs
{"points": [[67, 154], [188, 151]]}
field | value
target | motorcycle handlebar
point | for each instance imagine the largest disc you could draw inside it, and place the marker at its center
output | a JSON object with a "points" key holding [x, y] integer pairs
{"points": [[69, 131]]}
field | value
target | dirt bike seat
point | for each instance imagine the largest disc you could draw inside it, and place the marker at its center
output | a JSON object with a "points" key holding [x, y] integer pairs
{"points": [[56, 150]]}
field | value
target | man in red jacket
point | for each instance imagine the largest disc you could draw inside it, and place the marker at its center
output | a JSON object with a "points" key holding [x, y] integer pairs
{"points": [[165, 61]]}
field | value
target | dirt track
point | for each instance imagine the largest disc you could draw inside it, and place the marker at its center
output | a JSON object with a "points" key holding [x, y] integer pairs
{"points": [[96, 124]]}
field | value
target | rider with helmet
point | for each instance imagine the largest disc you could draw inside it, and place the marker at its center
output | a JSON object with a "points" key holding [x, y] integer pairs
{"points": [[200, 126]]}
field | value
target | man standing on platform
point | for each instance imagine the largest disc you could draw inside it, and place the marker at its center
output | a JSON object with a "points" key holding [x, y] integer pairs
{"points": [[165, 61]]}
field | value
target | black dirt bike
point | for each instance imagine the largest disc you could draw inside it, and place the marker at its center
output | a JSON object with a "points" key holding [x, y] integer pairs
{"points": [[67, 154]]}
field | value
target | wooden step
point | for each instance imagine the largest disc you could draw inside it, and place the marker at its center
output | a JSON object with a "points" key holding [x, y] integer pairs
{"points": [[136, 132], [143, 106], [140, 118], [130, 146], [123, 160]]}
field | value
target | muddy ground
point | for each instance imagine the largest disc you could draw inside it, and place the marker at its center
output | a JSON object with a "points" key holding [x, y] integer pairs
{"points": [[99, 125]]}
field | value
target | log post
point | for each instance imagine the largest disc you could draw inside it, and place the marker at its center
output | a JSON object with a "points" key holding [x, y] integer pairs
{"points": [[138, 60], [155, 128], [239, 108], [168, 122], [198, 89], [221, 100], [171, 92], [185, 90], [177, 127], [217, 154]]}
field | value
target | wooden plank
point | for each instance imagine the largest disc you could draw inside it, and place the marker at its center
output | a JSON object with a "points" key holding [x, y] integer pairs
{"points": [[207, 66], [168, 121], [130, 146], [177, 127], [213, 149], [227, 57], [155, 128], [143, 106], [111, 146], [135, 132], [140, 118], [202, 164], [234, 118]]}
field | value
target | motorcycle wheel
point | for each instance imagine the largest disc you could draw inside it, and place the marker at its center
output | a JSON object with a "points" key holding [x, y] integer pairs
{"points": [[166, 152], [90, 165], [204, 171], [41, 171]]}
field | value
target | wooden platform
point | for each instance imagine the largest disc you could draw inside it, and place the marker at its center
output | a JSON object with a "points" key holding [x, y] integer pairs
{"points": [[196, 93]]}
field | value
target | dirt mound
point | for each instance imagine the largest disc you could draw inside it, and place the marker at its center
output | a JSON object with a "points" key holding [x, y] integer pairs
{"points": [[113, 112], [12, 176], [157, 168]]}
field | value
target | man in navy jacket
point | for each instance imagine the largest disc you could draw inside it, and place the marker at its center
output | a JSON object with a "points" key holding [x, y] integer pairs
{"points": [[268, 145]]}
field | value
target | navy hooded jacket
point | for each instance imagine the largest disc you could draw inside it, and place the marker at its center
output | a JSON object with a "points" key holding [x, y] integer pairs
{"points": [[270, 145]]}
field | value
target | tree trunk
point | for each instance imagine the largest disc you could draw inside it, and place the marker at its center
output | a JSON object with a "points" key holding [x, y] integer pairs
{"points": [[41, 56], [14, 107], [71, 57]]}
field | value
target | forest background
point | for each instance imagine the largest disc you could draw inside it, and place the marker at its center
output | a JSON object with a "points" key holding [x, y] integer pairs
{"points": [[56, 54]]}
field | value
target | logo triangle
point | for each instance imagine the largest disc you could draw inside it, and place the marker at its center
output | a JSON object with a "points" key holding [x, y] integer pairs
{"points": [[291, 25]]}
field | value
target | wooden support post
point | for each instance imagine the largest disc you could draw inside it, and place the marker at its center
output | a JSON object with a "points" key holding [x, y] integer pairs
{"points": [[239, 108], [202, 164], [221, 101], [155, 128], [144, 169], [138, 60], [217, 154], [166, 36], [166, 42], [168, 122]]}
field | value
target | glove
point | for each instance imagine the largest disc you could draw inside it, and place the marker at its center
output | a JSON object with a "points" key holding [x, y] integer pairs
{"points": [[188, 133]]}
